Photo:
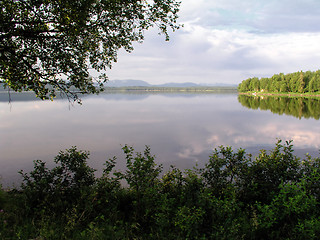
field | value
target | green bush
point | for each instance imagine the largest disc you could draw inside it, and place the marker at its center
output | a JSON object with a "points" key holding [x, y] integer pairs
{"points": [[274, 195]]}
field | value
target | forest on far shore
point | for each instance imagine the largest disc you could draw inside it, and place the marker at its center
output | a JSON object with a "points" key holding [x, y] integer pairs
{"points": [[297, 82]]}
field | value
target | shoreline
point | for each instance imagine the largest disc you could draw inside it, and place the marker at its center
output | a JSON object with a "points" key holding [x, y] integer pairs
{"points": [[280, 94]]}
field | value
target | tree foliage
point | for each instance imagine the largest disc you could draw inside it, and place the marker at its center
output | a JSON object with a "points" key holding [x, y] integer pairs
{"points": [[274, 195], [48, 46], [298, 82]]}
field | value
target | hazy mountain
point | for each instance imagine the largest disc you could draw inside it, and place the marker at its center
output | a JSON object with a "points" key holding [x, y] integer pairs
{"points": [[218, 85], [140, 83], [127, 83], [2, 87], [186, 84]]}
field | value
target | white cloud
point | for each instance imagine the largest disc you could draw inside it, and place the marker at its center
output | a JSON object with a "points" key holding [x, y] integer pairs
{"points": [[228, 41]]}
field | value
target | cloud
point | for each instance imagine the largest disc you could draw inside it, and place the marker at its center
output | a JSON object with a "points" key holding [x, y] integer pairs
{"points": [[228, 41], [290, 16], [258, 15]]}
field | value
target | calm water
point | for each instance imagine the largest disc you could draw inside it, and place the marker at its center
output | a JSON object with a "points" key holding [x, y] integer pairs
{"points": [[181, 129]]}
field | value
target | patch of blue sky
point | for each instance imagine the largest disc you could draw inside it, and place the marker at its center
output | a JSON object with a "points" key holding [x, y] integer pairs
{"points": [[230, 19], [236, 15]]}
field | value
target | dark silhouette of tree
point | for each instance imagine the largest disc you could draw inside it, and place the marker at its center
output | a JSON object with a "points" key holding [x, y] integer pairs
{"points": [[48, 46]]}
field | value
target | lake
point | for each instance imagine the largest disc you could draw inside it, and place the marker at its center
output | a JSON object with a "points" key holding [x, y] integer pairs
{"points": [[181, 128]]}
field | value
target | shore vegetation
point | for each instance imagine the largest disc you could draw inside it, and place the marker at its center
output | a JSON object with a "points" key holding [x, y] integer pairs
{"points": [[274, 195], [297, 83]]}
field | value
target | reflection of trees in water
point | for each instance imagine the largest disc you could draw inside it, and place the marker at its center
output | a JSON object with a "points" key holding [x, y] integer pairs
{"points": [[298, 107]]}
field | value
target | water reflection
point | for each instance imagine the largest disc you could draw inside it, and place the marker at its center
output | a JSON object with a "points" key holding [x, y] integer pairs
{"points": [[181, 129], [298, 107]]}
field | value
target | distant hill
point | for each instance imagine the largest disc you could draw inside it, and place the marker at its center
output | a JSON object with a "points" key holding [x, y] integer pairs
{"points": [[218, 84], [127, 83], [2, 87], [186, 84], [140, 83]]}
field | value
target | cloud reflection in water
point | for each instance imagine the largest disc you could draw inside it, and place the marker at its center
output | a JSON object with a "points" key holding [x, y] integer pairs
{"points": [[181, 129]]}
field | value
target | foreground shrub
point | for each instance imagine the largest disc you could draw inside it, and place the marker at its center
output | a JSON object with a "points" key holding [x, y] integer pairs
{"points": [[235, 196]]}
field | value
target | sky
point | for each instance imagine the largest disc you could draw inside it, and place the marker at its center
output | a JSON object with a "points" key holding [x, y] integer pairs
{"points": [[227, 41]]}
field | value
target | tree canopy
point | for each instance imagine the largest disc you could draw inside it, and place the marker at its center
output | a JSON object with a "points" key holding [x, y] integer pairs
{"points": [[297, 82], [49, 46]]}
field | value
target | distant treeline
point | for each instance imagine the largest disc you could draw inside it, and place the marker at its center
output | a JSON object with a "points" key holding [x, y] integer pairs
{"points": [[298, 82], [298, 107]]}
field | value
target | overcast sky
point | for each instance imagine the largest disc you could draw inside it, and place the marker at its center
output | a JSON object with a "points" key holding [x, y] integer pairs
{"points": [[227, 41]]}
